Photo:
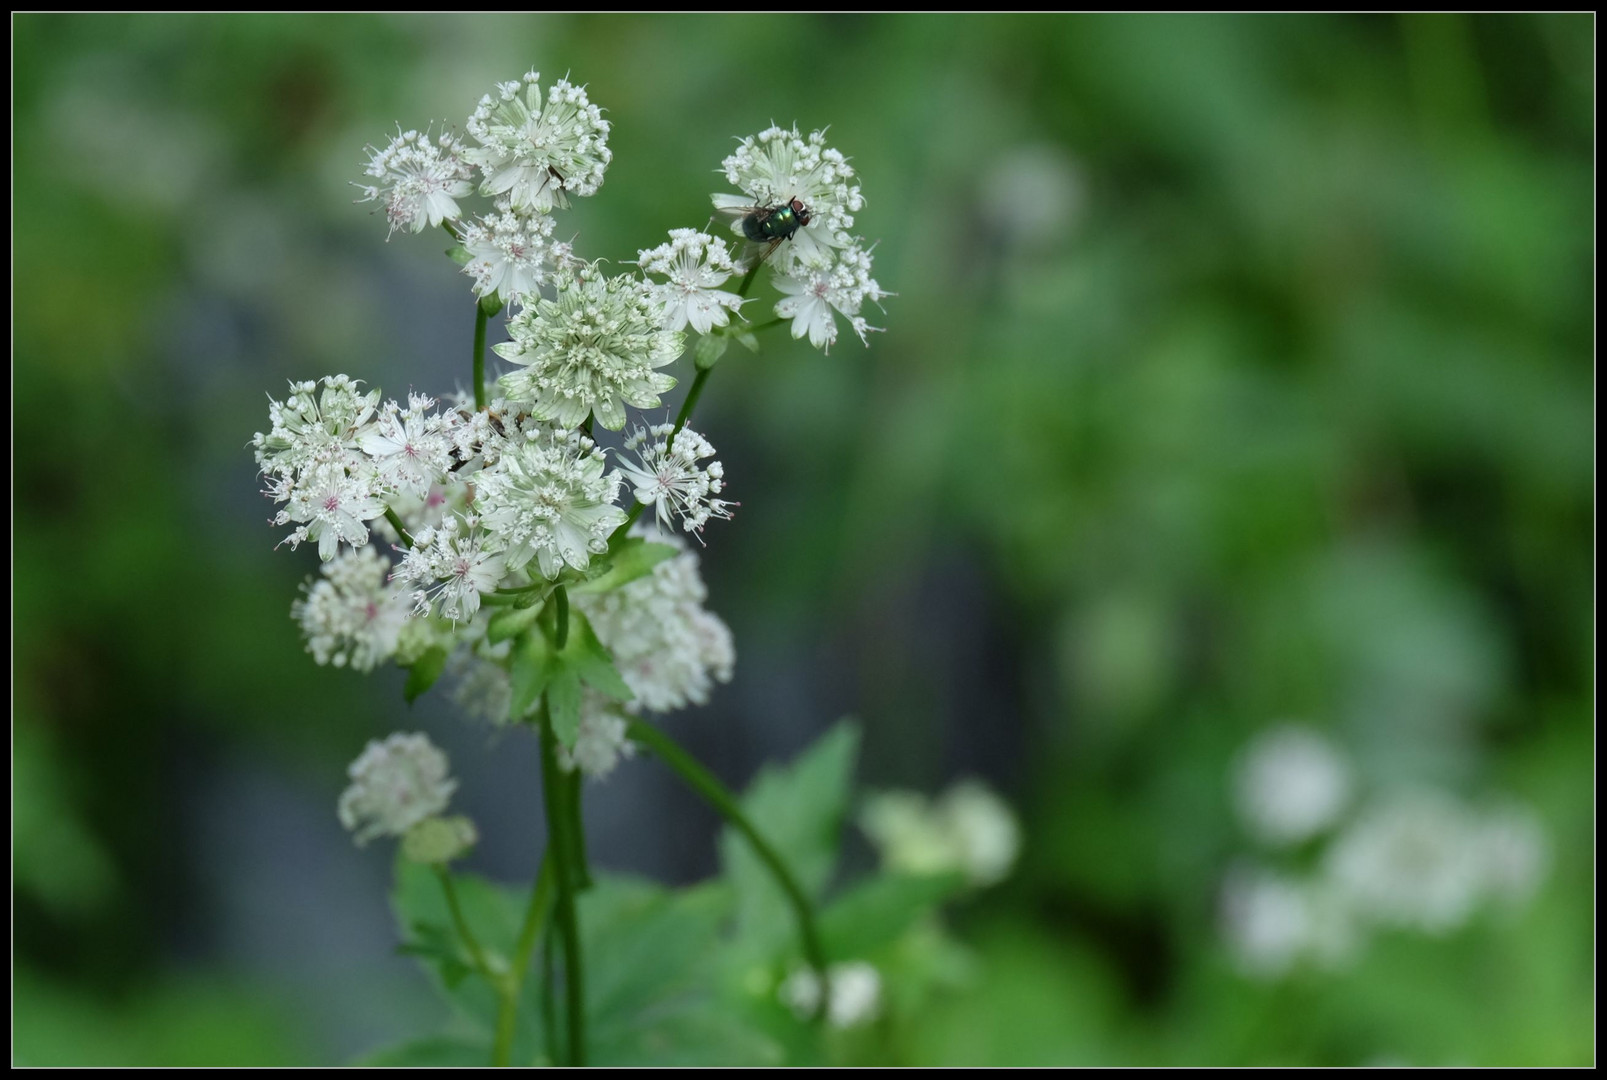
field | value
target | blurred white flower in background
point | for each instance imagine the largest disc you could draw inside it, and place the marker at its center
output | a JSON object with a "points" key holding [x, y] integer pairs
{"points": [[1291, 783], [968, 830], [856, 993], [395, 785]]}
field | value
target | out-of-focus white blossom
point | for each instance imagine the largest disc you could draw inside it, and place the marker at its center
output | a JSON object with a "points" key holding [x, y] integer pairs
{"points": [[395, 784], [1412, 861], [600, 743], [781, 164], [512, 255], [1513, 852], [548, 498], [669, 478], [451, 566], [534, 150], [668, 648], [1274, 924], [598, 341], [969, 831], [696, 264], [1290, 783], [819, 289], [419, 180], [353, 615], [856, 993]]}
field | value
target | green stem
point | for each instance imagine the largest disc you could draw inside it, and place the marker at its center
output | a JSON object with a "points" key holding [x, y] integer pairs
{"points": [[535, 920], [396, 523], [691, 401], [479, 356], [572, 785], [747, 279], [560, 636], [716, 795], [777, 321], [560, 832], [461, 925], [549, 1004]]}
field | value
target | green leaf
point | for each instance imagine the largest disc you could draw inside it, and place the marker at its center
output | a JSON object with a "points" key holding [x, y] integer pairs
{"points": [[799, 809], [708, 350], [529, 670], [510, 623], [591, 660], [563, 699], [434, 1051], [879, 910], [634, 558], [490, 304], [424, 672]]}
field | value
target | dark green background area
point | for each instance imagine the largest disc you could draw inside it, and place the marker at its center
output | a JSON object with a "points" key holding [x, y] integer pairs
{"points": [[1240, 370]]}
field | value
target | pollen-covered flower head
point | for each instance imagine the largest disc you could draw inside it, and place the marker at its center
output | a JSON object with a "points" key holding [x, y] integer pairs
{"points": [[452, 566], [353, 615], [548, 498], [780, 164], [670, 479], [536, 149], [419, 179], [395, 784], [696, 264], [511, 254], [669, 649], [592, 348]]}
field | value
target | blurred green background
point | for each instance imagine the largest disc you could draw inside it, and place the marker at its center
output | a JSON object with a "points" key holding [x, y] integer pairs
{"points": [[1240, 370]]}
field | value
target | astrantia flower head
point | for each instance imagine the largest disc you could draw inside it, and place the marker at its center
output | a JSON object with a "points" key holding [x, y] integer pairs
{"points": [[1291, 784], [419, 179], [511, 254], [330, 504], [596, 342], [669, 478], [411, 451], [600, 743], [452, 566], [668, 648], [534, 150], [547, 498], [696, 264], [395, 785], [779, 165], [1413, 860], [819, 288], [353, 615], [309, 428]]}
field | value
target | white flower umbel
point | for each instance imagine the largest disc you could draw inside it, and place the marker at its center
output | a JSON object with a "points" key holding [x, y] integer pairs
{"points": [[1412, 861], [668, 648], [595, 343], [395, 784], [1274, 924], [419, 179], [600, 743], [969, 831], [511, 254], [310, 428], [451, 566], [411, 450], [780, 164], [669, 478], [986, 830], [1290, 784], [819, 288], [856, 993], [330, 504], [547, 498], [535, 151], [696, 264], [1514, 854], [354, 615]]}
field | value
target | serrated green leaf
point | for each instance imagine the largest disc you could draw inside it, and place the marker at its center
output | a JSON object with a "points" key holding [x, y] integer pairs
{"points": [[423, 673], [592, 661], [799, 809], [563, 700], [877, 911], [510, 623], [633, 559], [708, 350], [529, 670]]}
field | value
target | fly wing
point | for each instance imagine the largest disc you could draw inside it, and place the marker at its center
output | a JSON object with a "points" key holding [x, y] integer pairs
{"points": [[734, 208]]}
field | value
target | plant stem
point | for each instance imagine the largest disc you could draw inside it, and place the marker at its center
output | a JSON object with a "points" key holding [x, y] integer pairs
{"points": [[560, 636], [691, 401], [549, 1005], [716, 795], [777, 321], [535, 920], [572, 783], [396, 523], [461, 925], [560, 833], [479, 356]]}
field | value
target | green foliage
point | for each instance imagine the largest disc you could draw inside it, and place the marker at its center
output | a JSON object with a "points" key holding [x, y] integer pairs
{"points": [[424, 672]]}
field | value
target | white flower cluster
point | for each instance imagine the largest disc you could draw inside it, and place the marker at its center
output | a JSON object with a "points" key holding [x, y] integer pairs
{"points": [[419, 179], [856, 993], [669, 478], [512, 254], [1412, 859], [354, 615], [669, 649], [822, 269], [547, 498], [968, 830], [696, 264], [601, 743], [395, 784], [535, 149]]}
